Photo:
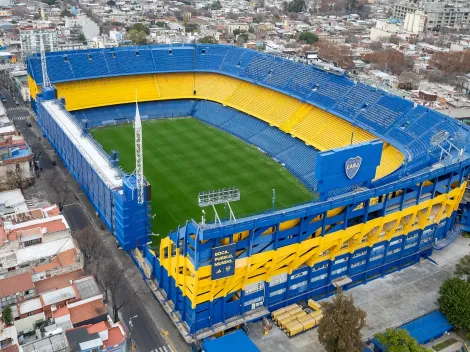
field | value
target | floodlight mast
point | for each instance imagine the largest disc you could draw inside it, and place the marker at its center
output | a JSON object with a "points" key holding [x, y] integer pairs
{"points": [[221, 196], [439, 138], [139, 164], [45, 77]]}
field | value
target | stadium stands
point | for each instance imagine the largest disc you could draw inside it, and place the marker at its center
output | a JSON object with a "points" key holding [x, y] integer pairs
{"points": [[291, 111], [286, 99]]}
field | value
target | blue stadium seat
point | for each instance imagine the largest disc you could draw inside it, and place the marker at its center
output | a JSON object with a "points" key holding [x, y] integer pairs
{"points": [[305, 79], [258, 68], [272, 139], [358, 97], [280, 73]]}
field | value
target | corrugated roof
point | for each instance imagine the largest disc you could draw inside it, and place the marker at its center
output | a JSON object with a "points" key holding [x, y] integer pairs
{"points": [[57, 296], [30, 306]]}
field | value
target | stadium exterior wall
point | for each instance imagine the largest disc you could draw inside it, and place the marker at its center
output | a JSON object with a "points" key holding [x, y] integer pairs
{"points": [[117, 207]]}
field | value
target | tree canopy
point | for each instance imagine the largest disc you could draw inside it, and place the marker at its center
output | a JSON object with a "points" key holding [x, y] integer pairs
{"points": [[308, 37], [141, 27], [340, 328], [191, 27], [339, 54], [81, 38], [7, 315], [454, 302], [294, 6], [208, 40], [399, 340], [137, 37], [216, 5], [66, 13], [389, 60], [462, 269], [457, 61]]}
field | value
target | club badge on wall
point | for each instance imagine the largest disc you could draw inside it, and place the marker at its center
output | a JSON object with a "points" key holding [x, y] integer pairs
{"points": [[352, 166]]}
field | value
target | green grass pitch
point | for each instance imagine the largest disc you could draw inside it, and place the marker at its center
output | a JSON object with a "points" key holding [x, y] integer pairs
{"points": [[184, 156]]}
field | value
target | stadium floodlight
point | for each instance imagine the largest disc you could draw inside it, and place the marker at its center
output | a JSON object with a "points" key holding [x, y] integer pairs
{"points": [[219, 196], [439, 137]]}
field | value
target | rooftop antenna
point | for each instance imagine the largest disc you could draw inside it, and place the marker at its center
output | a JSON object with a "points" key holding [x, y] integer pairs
{"points": [[139, 164], [45, 77]]}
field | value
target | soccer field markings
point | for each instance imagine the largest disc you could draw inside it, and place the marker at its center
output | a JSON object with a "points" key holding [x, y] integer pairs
{"points": [[182, 147]]}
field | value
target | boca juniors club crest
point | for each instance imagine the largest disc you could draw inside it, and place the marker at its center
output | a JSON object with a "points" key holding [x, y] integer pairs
{"points": [[352, 166]]}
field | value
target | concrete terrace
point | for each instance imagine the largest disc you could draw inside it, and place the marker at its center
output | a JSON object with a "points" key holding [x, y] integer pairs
{"points": [[389, 302]]}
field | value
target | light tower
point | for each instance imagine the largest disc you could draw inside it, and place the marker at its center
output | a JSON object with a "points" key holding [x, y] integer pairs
{"points": [[139, 156], [45, 77]]}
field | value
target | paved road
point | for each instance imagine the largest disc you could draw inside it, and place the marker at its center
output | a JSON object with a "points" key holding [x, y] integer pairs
{"points": [[146, 336], [146, 331]]}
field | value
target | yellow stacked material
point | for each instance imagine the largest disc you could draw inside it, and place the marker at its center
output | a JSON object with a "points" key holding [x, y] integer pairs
{"points": [[314, 305], [282, 323], [282, 316], [307, 322], [295, 310], [277, 313], [317, 315], [300, 314], [292, 306], [294, 328]]}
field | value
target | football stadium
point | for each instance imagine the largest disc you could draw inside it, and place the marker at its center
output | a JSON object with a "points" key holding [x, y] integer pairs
{"points": [[267, 181]]}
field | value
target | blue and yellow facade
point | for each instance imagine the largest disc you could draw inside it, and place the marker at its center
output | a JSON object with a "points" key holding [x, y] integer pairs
{"points": [[297, 253]]}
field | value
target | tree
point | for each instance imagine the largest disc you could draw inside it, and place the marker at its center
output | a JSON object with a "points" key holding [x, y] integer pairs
{"points": [[352, 5], [216, 5], [81, 38], [399, 340], [161, 24], [339, 54], [60, 190], [120, 286], [90, 245], [7, 315], [408, 80], [66, 13], [375, 46], [462, 269], [208, 40], [340, 328], [191, 27], [389, 60], [457, 61], [294, 6], [14, 178], [242, 38], [454, 302], [308, 37], [137, 37], [141, 27]]}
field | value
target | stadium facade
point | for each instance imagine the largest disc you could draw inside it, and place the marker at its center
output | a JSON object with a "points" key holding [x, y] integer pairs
{"points": [[390, 175]]}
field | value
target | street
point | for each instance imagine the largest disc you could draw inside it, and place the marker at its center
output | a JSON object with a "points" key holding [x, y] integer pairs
{"points": [[152, 329]]}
